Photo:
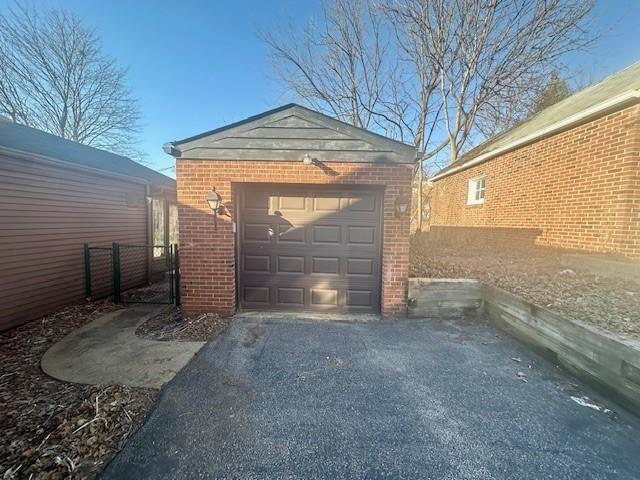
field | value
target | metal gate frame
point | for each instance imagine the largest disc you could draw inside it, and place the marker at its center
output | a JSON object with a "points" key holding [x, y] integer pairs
{"points": [[172, 259]]}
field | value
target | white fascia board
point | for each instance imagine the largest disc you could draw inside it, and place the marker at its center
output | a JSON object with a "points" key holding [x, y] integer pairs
{"points": [[627, 97]]}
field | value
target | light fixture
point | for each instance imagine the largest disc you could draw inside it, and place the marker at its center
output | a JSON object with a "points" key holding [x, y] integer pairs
{"points": [[307, 160], [401, 204], [215, 201]]}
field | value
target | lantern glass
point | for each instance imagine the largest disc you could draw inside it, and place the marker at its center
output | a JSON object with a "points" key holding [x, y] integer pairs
{"points": [[213, 199], [402, 205]]}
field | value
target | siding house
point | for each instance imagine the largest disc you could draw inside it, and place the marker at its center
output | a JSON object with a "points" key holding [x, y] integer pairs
{"points": [[567, 178], [56, 195]]}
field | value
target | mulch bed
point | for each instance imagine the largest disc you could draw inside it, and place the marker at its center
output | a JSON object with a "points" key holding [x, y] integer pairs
{"points": [[52, 429], [536, 274], [169, 324]]}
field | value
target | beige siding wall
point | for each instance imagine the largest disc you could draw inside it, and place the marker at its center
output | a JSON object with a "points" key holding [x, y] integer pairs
{"points": [[47, 213]]}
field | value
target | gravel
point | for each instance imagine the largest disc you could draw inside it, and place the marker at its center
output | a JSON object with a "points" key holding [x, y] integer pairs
{"points": [[52, 429], [169, 324], [536, 274]]}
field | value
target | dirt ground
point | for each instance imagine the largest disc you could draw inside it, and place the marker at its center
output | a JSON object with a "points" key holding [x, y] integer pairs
{"points": [[52, 429], [169, 324], [611, 303]]}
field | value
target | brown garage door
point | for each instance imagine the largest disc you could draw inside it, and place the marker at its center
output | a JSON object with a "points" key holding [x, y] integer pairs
{"points": [[309, 248]]}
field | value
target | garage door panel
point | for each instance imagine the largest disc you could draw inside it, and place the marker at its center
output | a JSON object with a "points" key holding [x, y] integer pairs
{"points": [[256, 294], [324, 204], [311, 248], [325, 265], [256, 201], [326, 234], [257, 232], [256, 263], [360, 266], [290, 296], [361, 235], [289, 264], [311, 281], [360, 298], [291, 202], [324, 297], [291, 233], [363, 203]]}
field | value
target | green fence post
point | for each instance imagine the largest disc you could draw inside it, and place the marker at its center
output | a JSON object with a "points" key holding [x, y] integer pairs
{"points": [[115, 258], [87, 272], [176, 276]]}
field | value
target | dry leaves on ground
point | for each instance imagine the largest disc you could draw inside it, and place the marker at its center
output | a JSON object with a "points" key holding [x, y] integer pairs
{"points": [[52, 429], [536, 274], [169, 324]]}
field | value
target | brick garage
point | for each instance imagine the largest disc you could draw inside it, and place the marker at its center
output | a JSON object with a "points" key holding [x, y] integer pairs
{"points": [[268, 150], [569, 178]]}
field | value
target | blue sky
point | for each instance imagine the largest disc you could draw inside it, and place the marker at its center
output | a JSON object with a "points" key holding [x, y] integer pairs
{"points": [[197, 65]]}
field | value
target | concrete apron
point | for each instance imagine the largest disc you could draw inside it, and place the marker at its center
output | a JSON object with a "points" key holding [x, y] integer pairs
{"points": [[107, 351], [301, 316]]}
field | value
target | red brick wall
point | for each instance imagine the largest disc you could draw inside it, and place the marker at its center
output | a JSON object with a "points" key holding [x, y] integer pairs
{"points": [[579, 189], [207, 254]]}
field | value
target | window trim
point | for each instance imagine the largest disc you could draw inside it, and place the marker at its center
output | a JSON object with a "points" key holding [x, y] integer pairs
{"points": [[472, 190]]}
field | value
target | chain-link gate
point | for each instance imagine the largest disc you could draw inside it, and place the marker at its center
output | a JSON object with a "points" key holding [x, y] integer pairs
{"points": [[133, 273], [98, 272]]}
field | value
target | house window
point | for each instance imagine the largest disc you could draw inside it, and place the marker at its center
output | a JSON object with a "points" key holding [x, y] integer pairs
{"points": [[157, 209], [475, 194]]}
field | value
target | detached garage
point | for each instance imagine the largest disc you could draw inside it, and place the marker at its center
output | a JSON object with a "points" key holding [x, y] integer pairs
{"points": [[293, 210]]}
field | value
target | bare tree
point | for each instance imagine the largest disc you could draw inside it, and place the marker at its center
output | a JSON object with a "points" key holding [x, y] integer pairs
{"points": [[555, 90], [337, 65], [439, 74], [54, 76]]}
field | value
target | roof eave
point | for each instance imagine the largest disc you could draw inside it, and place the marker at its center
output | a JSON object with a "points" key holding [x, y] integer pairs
{"points": [[627, 98]]}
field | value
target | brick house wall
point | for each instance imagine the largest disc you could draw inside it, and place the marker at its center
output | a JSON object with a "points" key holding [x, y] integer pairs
{"points": [[578, 189], [207, 253]]}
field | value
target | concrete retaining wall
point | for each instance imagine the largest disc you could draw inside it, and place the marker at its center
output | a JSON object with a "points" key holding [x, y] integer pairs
{"points": [[609, 362]]}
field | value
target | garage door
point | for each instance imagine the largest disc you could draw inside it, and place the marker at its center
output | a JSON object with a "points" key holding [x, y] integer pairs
{"points": [[309, 248]]}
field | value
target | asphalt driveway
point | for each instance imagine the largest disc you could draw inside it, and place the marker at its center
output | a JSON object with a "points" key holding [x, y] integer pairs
{"points": [[413, 399]]}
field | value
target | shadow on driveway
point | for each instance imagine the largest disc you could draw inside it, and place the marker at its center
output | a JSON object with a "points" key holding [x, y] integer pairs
{"points": [[411, 399]]}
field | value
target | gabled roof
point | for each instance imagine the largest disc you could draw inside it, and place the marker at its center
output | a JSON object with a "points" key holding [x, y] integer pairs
{"points": [[29, 140], [286, 134], [613, 93]]}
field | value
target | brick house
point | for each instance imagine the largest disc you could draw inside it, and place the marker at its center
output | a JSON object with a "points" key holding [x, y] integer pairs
{"points": [[567, 178], [314, 216]]}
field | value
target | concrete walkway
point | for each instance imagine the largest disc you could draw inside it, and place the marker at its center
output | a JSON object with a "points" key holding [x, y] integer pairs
{"points": [[107, 351]]}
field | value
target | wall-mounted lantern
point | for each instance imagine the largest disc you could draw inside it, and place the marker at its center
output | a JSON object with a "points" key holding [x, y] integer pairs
{"points": [[215, 202], [307, 159], [401, 204]]}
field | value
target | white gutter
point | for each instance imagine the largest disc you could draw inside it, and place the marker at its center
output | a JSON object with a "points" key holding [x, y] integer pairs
{"points": [[597, 109]]}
